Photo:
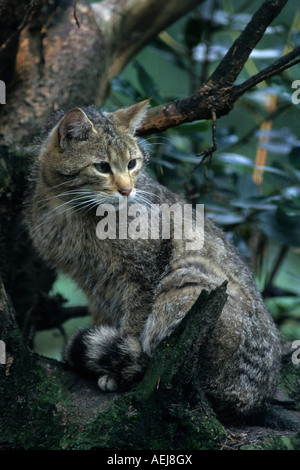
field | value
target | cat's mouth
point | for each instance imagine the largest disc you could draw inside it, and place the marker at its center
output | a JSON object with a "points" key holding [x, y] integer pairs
{"points": [[120, 201]]}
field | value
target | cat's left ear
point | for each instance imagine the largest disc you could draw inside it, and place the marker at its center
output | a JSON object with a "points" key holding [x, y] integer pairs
{"points": [[131, 117], [75, 125]]}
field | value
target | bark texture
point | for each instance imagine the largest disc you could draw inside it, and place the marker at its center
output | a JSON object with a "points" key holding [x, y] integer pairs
{"points": [[59, 65]]}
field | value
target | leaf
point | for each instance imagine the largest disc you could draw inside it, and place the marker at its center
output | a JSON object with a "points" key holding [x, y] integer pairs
{"points": [[147, 83], [214, 52], [193, 127], [271, 53], [185, 157], [285, 305], [122, 85], [167, 53], [295, 37], [193, 32], [294, 157], [281, 225], [166, 163], [246, 187], [235, 159], [227, 219], [292, 193], [262, 204]]}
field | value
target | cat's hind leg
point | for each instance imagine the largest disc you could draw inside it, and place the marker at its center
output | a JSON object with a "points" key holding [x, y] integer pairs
{"points": [[117, 360]]}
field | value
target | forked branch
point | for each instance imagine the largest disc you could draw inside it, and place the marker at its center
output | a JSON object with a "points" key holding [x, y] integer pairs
{"points": [[219, 92]]}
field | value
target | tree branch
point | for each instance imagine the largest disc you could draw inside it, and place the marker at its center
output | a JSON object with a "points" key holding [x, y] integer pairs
{"points": [[82, 59], [192, 108], [218, 93], [277, 67], [233, 62], [128, 25], [208, 152]]}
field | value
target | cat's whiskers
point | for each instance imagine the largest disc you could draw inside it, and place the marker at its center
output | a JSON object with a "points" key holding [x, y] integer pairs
{"points": [[84, 199], [141, 200], [89, 204], [157, 140], [70, 192], [142, 192], [140, 197]]}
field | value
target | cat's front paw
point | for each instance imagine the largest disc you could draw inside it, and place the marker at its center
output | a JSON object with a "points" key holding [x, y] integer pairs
{"points": [[106, 383]]}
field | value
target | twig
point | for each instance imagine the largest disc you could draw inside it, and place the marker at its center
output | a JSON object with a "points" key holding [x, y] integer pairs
{"points": [[218, 92], [234, 60], [75, 13], [280, 258], [277, 67], [208, 152]]}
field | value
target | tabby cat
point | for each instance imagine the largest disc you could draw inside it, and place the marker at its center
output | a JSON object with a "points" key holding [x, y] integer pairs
{"points": [[139, 289]]}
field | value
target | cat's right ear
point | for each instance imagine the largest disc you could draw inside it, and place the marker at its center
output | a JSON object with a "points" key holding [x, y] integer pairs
{"points": [[75, 125], [130, 118]]}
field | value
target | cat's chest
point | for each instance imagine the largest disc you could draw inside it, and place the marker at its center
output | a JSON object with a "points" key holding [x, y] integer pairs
{"points": [[84, 252]]}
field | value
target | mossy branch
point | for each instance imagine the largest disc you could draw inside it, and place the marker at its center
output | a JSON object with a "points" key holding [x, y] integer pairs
{"points": [[178, 356], [162, 413]]}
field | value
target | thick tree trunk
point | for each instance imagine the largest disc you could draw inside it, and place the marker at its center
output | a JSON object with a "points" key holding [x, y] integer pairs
{"points": [[46, 76], [59, 65]]}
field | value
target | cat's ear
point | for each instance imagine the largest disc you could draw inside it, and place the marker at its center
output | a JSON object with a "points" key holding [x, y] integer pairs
{"points": [[131, 117], [75, 125]]}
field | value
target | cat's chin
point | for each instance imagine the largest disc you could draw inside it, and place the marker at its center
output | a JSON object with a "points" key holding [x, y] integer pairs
{"points": [[118, 203], [122, 202]]}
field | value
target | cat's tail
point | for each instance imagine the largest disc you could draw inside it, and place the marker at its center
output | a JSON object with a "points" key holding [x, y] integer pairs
{"points": [[117, 360]]}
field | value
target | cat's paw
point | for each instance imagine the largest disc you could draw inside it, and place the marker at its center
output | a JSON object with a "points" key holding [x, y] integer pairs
{"points": [[107, 383]]}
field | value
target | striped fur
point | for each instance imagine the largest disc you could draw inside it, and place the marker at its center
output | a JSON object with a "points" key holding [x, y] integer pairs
{"points": [[139, 290], [118, 360]]}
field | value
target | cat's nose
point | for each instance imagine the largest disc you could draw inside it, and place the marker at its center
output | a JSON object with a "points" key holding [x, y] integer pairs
{"points": [[125, 192]]}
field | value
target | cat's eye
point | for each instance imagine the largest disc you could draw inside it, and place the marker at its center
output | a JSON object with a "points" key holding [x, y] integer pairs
{"points": [[103, 167], [131, 164]]}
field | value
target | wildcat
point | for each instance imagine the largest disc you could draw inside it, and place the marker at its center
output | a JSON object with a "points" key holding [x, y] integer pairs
{"points": [[139, 289]]}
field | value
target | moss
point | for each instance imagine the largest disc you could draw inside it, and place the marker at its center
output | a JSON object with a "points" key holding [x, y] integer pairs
{"points": [[28, 395], [28, 403], [290, 380], [128, 424], [39, 418], [167, 411], [272, 442]]}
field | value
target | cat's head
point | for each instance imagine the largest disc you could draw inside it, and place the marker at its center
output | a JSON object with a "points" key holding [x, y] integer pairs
{"points": [[94, 152]]}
